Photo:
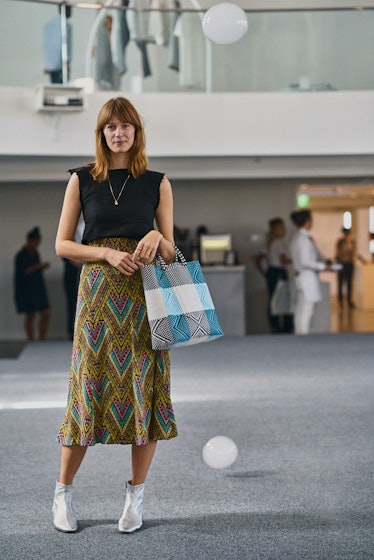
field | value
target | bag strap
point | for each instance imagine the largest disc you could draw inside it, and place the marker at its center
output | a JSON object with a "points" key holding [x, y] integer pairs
{"points": [[179, 257]]}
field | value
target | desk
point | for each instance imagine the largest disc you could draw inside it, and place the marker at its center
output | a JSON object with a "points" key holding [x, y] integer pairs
{"points": [[227, 288]]}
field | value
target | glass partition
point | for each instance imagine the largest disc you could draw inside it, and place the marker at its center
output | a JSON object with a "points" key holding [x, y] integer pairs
{"points": [[166, 50]]}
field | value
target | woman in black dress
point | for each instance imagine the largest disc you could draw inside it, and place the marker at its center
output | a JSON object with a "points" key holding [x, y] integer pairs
{"points": [[30, 291]]}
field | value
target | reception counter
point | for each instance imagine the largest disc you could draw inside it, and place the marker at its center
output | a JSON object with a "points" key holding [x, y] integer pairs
{"points": [[227, 288], [227, 285]]}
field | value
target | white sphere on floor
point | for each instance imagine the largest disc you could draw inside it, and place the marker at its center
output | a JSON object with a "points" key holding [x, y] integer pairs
{"points": [[220, 452], [225, 23]]}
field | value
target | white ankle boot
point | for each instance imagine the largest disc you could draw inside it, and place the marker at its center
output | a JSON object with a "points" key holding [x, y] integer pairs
{"points": [[132, 517], [63, 515]]}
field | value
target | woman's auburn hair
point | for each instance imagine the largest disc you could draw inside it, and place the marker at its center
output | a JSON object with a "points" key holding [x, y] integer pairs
{"points": [[124, 110]]}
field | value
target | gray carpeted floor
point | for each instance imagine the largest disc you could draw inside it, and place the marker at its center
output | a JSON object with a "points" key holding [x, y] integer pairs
{"points": [[300, 410]]}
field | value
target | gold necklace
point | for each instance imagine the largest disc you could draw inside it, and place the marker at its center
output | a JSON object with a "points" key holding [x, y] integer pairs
{"points": [[120, 192]]}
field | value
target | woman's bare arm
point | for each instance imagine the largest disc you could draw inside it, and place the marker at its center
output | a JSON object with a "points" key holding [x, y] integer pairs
{"points": [[160, 240], [68, 248]]}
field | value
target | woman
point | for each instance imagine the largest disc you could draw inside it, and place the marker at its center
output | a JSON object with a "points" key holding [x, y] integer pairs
{"points": [[307, 261], [119, 389], [30, 290], [277, 260]]}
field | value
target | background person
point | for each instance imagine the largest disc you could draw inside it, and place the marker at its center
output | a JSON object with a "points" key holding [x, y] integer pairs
{"points": [[119, 389], [277, 260], [346, 255], [106, 73], [307, 261], [52, 47], [71, 274], [72, 270], [30, 290]]}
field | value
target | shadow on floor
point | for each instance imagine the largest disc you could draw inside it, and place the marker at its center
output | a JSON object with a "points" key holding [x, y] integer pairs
{"points": [[11, 349]]}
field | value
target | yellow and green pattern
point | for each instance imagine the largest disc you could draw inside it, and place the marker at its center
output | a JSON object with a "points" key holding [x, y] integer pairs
{"points": [[119, 388]]}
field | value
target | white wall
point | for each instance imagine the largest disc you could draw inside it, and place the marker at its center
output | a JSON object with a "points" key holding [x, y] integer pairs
{"points": [[247, 124], [340, 123], [22, 207], [240, 207]]}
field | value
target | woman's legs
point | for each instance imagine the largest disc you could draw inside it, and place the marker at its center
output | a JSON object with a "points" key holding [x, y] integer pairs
{"points": [[272, 276], [132, 516], [141, 459], [303, 314], [29, 326], [63, 513], [71, 459], [44, 323]]}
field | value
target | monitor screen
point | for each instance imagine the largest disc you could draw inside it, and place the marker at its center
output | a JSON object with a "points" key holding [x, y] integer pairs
{"points": [[213, 248]]}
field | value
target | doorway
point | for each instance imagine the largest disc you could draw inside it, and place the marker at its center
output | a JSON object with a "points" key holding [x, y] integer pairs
{"points": [[332, 205]]}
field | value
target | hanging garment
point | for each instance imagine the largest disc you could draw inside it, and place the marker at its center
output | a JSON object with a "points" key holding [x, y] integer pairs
{"points": [[173, 62], [138, 21], [106, 72], [160, 21], [120, 38], [191, 51]]}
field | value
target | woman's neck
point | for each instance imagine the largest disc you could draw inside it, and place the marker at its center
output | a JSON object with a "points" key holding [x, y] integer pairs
{"points": [[120, 161]]}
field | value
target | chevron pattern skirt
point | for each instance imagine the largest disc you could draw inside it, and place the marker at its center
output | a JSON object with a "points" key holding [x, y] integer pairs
{"points": [[119, 388]]}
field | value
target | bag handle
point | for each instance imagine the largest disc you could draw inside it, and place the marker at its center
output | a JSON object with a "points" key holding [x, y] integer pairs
{"points": [[178, 257]]}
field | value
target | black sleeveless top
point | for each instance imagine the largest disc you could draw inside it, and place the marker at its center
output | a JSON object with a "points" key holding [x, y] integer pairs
{"points": [[135, 213]]}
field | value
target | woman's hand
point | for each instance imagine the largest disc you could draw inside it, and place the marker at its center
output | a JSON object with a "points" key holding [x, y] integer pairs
{"points": [[122, 260], [147, 247]]}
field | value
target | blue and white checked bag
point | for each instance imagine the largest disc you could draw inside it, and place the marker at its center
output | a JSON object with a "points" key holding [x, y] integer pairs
{"points": [[179, 305]]}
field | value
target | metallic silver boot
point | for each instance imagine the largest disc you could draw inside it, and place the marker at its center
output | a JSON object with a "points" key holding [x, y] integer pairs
{"points": [[132, 517], [63, 515]]}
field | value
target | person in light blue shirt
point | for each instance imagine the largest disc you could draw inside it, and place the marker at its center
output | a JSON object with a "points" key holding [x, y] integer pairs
{"points": [[52, 47]]}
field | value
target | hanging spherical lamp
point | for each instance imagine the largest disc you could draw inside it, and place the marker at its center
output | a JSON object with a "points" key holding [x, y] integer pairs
{"points": [[225, 23]]}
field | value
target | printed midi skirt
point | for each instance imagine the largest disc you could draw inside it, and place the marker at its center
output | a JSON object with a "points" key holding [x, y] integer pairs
{"points": [[119, 388]]}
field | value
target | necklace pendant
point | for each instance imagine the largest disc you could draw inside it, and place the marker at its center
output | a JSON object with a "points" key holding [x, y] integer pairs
{"points": [[115, 200]]}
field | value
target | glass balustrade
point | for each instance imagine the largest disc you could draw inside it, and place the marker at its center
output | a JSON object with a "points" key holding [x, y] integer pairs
{"points": [[166, 50]]}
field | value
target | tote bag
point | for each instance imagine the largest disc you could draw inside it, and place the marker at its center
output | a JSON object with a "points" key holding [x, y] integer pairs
{"points": [[283, 300], [179, 305]]}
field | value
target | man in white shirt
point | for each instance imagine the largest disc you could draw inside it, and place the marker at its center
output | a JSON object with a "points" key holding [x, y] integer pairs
{"points": [[307, 262]]}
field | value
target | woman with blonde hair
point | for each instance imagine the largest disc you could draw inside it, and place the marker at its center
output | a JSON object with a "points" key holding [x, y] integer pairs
{"points": [[277, 261], [119, 388]]}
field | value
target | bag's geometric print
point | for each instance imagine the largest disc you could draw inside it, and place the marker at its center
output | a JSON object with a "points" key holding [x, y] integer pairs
{"points": [[119, 388], [179, 305]]}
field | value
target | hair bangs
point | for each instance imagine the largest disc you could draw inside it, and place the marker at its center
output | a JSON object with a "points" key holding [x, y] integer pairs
{"points": [[121, 109]]}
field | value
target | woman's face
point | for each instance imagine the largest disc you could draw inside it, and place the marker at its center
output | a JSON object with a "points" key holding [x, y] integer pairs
{"points": [[119, 136], [281, 230]]}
